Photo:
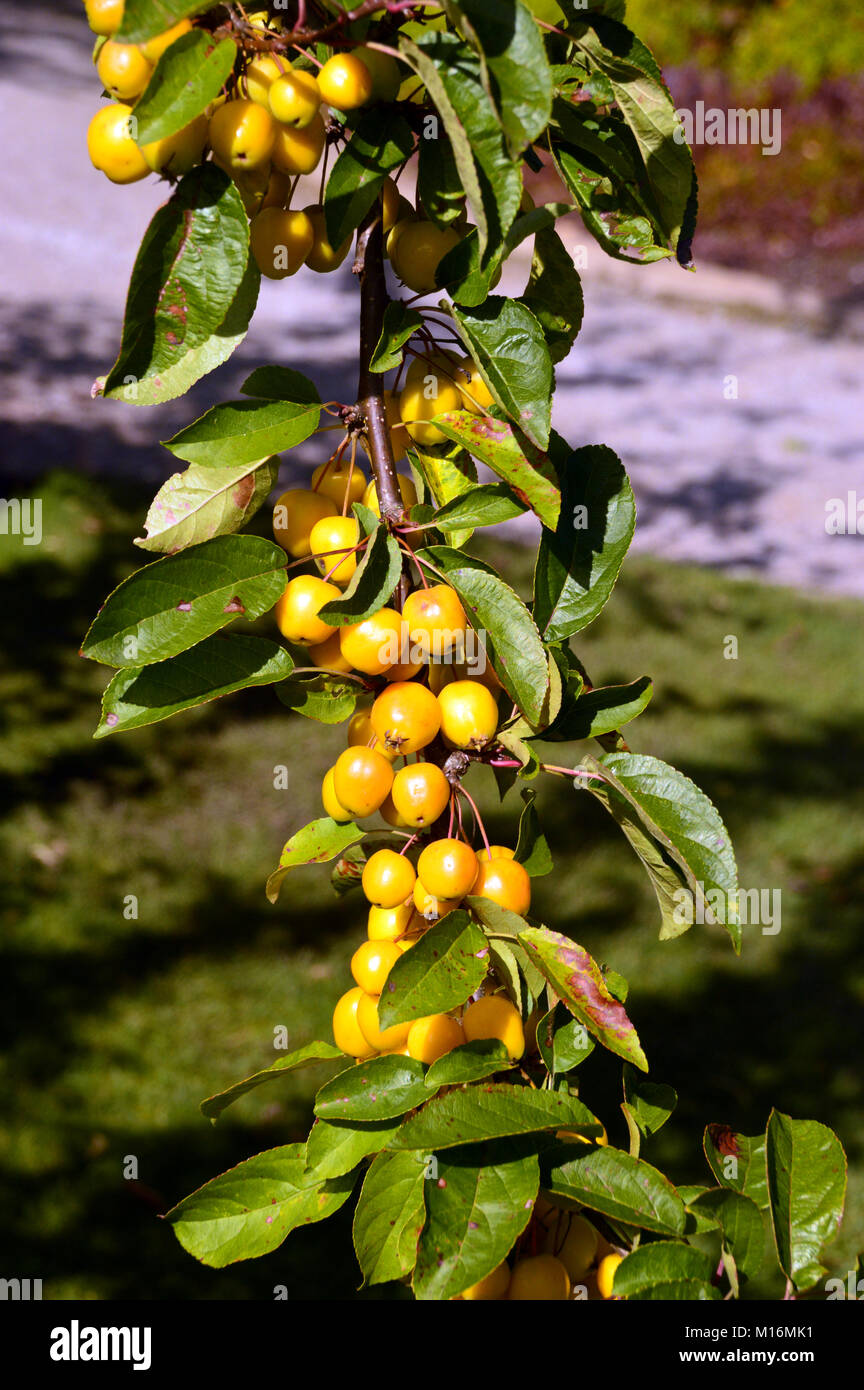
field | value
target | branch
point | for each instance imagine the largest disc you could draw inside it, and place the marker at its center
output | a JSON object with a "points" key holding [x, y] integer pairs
{"points": [[369, 267]]}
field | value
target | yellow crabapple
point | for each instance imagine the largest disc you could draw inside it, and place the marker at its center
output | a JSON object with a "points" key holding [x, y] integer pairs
{"points": [[372, 962], [469, 714], [447, 868], [418, 251], [280, 240], [371, 644], [123, 70], [178, 153], [420, 793], [328, 656], [539, 1278], [405, 717], [333, 542], [476, 395], [299, 151], [492, 1288], [294, 516], [390, 1039], [389, 923], [330, 801], [154, 48], [338, 480], [505, 882], [104, 16], [259, 77], [436, 620], [111, 148], [295, 98], [323, 257], [388, 878], [296, 612], [361, 780], [493, 1016], [606, 1274], [407, 491], [433, 1037], [242, 134], [346, 1030], [574, 1241], [345, 82]]}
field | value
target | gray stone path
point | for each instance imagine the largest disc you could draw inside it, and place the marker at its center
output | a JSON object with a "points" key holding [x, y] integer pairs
{"points": [[730, 473]]}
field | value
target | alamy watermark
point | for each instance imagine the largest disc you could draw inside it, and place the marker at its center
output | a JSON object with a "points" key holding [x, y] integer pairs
{"points": [[22, 516], [711, 125], [748, 907]]}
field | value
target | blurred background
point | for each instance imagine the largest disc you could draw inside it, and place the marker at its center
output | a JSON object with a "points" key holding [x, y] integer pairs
{"points": [[114, 1029]]}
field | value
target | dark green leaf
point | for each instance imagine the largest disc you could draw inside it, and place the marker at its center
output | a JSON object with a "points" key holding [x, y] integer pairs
{"points": [[595, 712], [741, 1226], [306, 1056], [667, 1270], [650, 1103], [512, 47], [478, 1207], [525, 469], [185, 292], [372, 583], [274, 383], [578, 563], [249, 1210], [444, 969], [217, 666], [474, 1114], [381, 140], [439, 186], [329, 699], [488, 504], [508, 345], [389, 1216], [400, 323], [554, 293], [650, 799], [332, 1150], [620, 1187], [579, 982], [240, 432], [171, 605], [532, 847], [146, 19], [471, 1062], [738, 1162], [563, 1041], [189, 75], [807, 1191], [317, 843], [376, 1090]]}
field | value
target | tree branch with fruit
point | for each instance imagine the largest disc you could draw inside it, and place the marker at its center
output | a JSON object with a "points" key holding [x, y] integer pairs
{"points": [[454, 1115]]}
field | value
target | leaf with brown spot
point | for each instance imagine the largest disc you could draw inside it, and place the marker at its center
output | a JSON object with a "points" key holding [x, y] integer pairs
{"points": [[578, 982]]}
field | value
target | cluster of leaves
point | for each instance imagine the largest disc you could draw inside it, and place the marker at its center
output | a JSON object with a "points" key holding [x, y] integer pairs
{"points": [[502, 91]]}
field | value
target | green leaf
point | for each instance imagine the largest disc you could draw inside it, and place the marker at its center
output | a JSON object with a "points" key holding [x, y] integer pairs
{"points": [[620, 1187], [381, 140], [217, 666], [738, 1162], [329, 699], [596, 712], [400, 323], [306, 1056], [511, 637], [741, 1227], [512, 47], [374, 1090], [491, 178], [317, 843], [176, 380], [579, 982], [578, 563], [389, 1216], [649, 111], [372, 583], [185, 282], [249, 1210], [146, 19], [203, 502], [332, 1150], [479, 1206], [241, 432], [439, 187], [445, 967], [563, 1041], [525, 469], [650, 1103], [487, 504], [807, 1190], [468, 274], [667, 1270], [471, 1062], [532, 847], [554, 293], [189, 75], [646, 795], [275, 383], [508, 345], [171, 605], [474, 1114]]}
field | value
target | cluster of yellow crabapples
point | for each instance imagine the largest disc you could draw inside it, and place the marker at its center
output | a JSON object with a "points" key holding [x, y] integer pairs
{"points": [[269, 128], [567, 1252]]}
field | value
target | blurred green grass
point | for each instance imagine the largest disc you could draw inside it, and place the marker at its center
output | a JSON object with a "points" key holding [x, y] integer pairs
{"points": [[114, 1028]]}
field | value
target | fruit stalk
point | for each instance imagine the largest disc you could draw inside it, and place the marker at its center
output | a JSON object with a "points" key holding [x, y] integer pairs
{"points": [[369, 267]]}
